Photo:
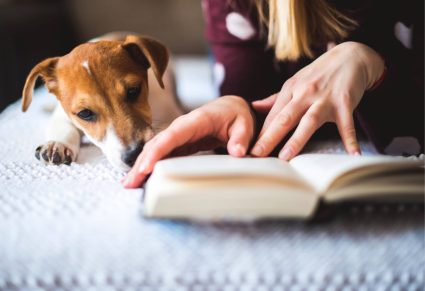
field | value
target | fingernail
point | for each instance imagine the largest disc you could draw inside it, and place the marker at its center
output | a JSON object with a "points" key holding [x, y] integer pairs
{"points": [[285, 154], [143, 167], [124, 181], [239, 150], [257, 150], [356, 153]]}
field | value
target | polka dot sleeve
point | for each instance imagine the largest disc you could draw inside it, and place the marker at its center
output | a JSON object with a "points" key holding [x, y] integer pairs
{"points": [[242, 64]]}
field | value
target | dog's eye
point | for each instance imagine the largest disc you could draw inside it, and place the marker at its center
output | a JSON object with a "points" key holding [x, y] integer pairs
{"points": [[133, 93], [87, 115]]}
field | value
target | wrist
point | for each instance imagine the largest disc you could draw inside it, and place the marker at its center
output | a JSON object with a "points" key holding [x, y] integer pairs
{"points": [[372, 63], [379, 81]]}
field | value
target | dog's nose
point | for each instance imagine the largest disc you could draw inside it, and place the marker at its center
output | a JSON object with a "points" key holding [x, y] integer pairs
{"points": [[130, 155]]}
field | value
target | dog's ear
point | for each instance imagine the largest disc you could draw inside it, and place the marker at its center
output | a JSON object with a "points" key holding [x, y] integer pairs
{"points": [[45, 69], [149, 52]]}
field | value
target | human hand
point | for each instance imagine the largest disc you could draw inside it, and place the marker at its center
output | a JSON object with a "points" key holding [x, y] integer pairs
{"points": [[225, 121], [327, 90]]}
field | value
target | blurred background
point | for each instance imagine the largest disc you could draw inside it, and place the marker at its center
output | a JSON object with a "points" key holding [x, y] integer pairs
{"points": [[31, 30]]}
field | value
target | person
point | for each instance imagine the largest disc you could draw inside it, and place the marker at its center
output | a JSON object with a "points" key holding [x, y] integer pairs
{"points": [[287, 67]]}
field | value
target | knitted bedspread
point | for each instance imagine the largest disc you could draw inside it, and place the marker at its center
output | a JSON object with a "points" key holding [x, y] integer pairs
{"points": [[75, 228]]}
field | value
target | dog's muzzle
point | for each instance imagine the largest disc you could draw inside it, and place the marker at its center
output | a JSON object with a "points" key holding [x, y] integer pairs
{"points": [[129, 157]]}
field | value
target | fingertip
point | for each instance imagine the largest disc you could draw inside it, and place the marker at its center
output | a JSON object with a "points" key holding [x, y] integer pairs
{"points": [[127, 186], [257, 102], [264, 104], [126, 182], [237, 150], [286, 154], [349, 139], [258, 106], [133, 181], [352, 147]]}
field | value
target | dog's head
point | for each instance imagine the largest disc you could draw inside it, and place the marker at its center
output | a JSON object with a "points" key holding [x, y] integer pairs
{"points": [[103, 88]]}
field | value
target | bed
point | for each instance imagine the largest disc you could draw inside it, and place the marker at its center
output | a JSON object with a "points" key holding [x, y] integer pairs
{"points": [[75, 228]]}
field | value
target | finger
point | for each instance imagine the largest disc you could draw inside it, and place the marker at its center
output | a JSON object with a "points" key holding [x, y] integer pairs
{"points": [[278, 129], [134, 177], [265, 104], [311, 121], [240, 135], [283, 99], [347, 131], [153, 151], [181, 131], [330, 45]]}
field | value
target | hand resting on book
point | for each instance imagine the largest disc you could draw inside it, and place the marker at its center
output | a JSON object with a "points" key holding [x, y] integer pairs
{"points": [[327, 90], [227, 121]]}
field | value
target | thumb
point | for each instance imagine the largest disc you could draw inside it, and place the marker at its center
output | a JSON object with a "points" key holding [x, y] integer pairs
{"points": [[240, 135], [265, 104]]}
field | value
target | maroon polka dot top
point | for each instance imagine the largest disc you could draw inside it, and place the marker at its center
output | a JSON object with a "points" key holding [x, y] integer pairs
{"points": [[391, 115]]}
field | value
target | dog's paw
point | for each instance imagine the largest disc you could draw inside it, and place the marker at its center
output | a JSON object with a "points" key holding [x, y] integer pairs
{"points": [[54, 153]]}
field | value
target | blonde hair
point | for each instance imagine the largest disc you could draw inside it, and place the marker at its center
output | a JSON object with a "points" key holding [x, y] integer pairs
{"points": [[294, 26]]}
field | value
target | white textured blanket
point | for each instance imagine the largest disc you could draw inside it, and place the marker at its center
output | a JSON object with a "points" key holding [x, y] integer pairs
{"points": [[75, 227]]}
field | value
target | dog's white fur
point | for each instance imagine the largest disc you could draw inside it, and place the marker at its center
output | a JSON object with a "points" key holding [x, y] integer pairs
{"points": [[86, 66], [112, 147], [61, 130]]}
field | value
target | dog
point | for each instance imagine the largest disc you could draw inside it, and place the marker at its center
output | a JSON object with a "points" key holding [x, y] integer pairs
{"points": [[118, 90]]}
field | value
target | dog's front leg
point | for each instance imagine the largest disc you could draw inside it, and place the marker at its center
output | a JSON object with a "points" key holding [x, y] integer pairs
{"points": [[63, 140]]}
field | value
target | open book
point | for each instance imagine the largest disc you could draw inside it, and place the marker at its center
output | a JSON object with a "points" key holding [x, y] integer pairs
{"points": [[220, 186]]}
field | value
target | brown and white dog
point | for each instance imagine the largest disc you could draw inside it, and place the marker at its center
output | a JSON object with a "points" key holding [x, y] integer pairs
{"points": [[116, 90]]}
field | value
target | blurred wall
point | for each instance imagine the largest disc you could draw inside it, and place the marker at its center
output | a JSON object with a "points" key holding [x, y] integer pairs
{"points": [[30, 31], [177, 23]]}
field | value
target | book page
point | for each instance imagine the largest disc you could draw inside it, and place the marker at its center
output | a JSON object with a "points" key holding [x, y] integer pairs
{"points": [[322, 170], [216, 166], [399, 185]]}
